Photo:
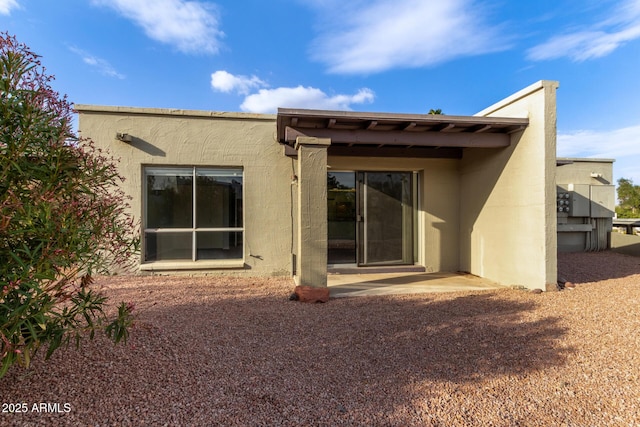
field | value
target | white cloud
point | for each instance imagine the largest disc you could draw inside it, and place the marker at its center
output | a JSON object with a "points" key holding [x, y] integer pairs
{"points": [[7, 5], [367, 36], [191, 26], [223, 81], [622, 144], [103, 66], [622, 26], [268, 100]]}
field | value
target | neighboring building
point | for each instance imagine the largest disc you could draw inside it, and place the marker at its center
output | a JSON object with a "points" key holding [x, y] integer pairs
{"points": [[586, 201], [627, 225], [304, 190]]}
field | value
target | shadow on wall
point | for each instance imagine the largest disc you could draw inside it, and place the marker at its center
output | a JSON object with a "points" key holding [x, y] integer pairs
{"points": [[147, 147], [627, 244], [584, 213]]}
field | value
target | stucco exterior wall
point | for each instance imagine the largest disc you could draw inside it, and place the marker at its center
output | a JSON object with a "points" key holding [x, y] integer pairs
{"points": [[438, 207], [625, 244], [579, 171], [508, 220], [491, 213], [195, 138]]}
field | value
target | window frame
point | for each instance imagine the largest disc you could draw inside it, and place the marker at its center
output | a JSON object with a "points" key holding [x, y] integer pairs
{"points": [[194, 207]]}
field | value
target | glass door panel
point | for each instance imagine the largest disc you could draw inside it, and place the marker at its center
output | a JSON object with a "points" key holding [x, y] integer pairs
{"points": [[386, 218], [341, 211]]}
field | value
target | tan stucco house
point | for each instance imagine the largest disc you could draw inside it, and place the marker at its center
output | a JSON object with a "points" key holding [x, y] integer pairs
{"points": [[304, 191]]}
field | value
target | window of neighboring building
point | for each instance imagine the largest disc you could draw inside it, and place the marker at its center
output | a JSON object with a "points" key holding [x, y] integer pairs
{"points": [[192, 213]]}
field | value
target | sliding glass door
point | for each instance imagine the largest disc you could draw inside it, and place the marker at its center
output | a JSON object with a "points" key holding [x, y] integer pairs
{"points": [[387, 211], [371, 218], [341, 226]]}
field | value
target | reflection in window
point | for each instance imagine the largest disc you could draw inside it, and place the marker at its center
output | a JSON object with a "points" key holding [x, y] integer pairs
{"points": [[193, 213]]}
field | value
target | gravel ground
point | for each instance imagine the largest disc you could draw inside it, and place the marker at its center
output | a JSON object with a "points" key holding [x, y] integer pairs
{"points": [[227, 351]]}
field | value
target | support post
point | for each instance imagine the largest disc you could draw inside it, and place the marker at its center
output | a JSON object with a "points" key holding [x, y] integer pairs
{"points": [[311, 259]]}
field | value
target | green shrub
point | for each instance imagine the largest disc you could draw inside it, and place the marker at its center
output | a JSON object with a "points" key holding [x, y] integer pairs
{"points": [[62, 218], [628, 199]]}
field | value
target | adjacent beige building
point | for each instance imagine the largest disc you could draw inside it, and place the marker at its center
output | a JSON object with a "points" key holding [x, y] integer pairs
{"points": [[585, 204], [305, 191]]}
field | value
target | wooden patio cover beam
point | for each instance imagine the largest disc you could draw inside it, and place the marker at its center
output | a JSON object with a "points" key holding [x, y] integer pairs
{"points": [[402, 138]]}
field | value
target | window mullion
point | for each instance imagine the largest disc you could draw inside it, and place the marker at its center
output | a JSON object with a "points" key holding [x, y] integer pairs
{"points": [[165, 232]]}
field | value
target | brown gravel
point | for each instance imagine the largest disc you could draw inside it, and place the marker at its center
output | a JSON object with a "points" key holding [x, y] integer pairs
{"points": [[226, 351]]}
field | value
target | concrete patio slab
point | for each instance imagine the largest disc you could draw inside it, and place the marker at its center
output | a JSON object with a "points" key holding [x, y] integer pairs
{"points": [[351, 285]]}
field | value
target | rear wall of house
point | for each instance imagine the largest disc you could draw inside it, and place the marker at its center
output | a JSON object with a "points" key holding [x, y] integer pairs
{"points": [[194, 138], [438, 207]]}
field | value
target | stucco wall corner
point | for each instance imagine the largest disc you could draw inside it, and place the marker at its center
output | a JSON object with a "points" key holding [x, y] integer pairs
{"points": [[508, 196]]}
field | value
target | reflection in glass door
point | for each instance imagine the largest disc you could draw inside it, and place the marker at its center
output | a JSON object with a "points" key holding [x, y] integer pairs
{"points": [[371, 218], [341, 211], [387, 212]]}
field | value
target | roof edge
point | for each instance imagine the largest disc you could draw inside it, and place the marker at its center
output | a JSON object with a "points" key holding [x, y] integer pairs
{"points": [[363, 115], [86, 108], [585, 159], [541, 84]]}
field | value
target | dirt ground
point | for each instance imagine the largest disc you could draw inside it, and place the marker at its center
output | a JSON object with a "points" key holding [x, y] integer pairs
{"points": [[230, 351]]}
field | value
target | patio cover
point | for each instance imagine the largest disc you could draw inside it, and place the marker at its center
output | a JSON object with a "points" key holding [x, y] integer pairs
{"points": [[390, 135]]}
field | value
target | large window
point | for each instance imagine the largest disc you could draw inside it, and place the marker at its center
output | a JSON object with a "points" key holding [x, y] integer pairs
{"points": [[192, 213]]}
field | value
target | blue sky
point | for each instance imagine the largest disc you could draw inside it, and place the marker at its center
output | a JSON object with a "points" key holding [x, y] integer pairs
{"points": [[404, 56]]}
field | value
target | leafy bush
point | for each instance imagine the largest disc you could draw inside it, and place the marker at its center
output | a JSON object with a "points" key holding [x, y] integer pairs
{"points": [[62, 218], [628, 199]]}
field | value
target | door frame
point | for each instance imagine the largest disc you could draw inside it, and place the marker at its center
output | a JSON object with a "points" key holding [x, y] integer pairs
{"points": [[361, 217]]}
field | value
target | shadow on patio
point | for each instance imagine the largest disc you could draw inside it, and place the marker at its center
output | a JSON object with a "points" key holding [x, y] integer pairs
{"points": [[346, 285]]}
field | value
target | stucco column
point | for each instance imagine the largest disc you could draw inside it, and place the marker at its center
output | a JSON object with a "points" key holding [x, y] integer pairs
{"points": [[311, 259]]}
